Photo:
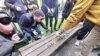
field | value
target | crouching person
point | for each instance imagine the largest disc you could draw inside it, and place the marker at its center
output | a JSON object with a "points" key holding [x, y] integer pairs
{"points": [[8, 37], [30, 22]]}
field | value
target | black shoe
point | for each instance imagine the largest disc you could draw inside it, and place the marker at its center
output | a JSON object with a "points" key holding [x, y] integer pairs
{"points": [[37, 37]]}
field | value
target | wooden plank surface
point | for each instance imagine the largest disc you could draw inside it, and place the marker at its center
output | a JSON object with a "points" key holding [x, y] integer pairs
{"points": [[47, 46]]}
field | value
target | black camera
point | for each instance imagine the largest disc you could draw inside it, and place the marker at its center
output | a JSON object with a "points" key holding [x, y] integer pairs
{"points": [[20, 34]]}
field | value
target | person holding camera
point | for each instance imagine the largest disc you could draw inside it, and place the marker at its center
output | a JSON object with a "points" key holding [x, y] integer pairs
{"points": [[8, 36]]}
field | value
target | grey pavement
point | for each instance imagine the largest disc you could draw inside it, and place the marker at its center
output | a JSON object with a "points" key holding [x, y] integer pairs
{"points": [[70, 49]]}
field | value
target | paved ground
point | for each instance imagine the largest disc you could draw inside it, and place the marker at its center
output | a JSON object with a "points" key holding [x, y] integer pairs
{"points": [[70, 49]]}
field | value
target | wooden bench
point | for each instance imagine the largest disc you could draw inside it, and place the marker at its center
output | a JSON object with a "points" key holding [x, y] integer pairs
{"points": [[47, 45]]}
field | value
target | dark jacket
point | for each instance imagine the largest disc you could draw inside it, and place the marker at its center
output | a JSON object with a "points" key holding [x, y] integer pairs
{"points": [[67, 9], [27, 22], [50, 4], [12, 3]]}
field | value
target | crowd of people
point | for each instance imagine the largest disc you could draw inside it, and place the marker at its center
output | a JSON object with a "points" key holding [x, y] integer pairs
{"points": [[29, 14]]}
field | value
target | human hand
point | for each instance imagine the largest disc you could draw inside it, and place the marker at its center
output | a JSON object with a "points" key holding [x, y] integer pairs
{"points": [[35, 33], [49, 10], [52, 10], [18, 8], [60, 32], [15, 38]]}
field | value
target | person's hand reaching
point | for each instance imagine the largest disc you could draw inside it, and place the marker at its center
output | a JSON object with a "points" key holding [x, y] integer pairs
{"points": [[60, 32], [18, 8]]}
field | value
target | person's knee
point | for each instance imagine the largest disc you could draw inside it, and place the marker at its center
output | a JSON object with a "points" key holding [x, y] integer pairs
{"points": [[27, 34], [39, 32]]}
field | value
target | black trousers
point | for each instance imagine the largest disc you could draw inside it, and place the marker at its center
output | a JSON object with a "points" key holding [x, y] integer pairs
{"points": [[47, 18], [61, 21]]}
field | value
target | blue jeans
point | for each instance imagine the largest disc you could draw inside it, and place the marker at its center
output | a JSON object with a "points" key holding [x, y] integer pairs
{"points": [[29, 35], [36, 27]]}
